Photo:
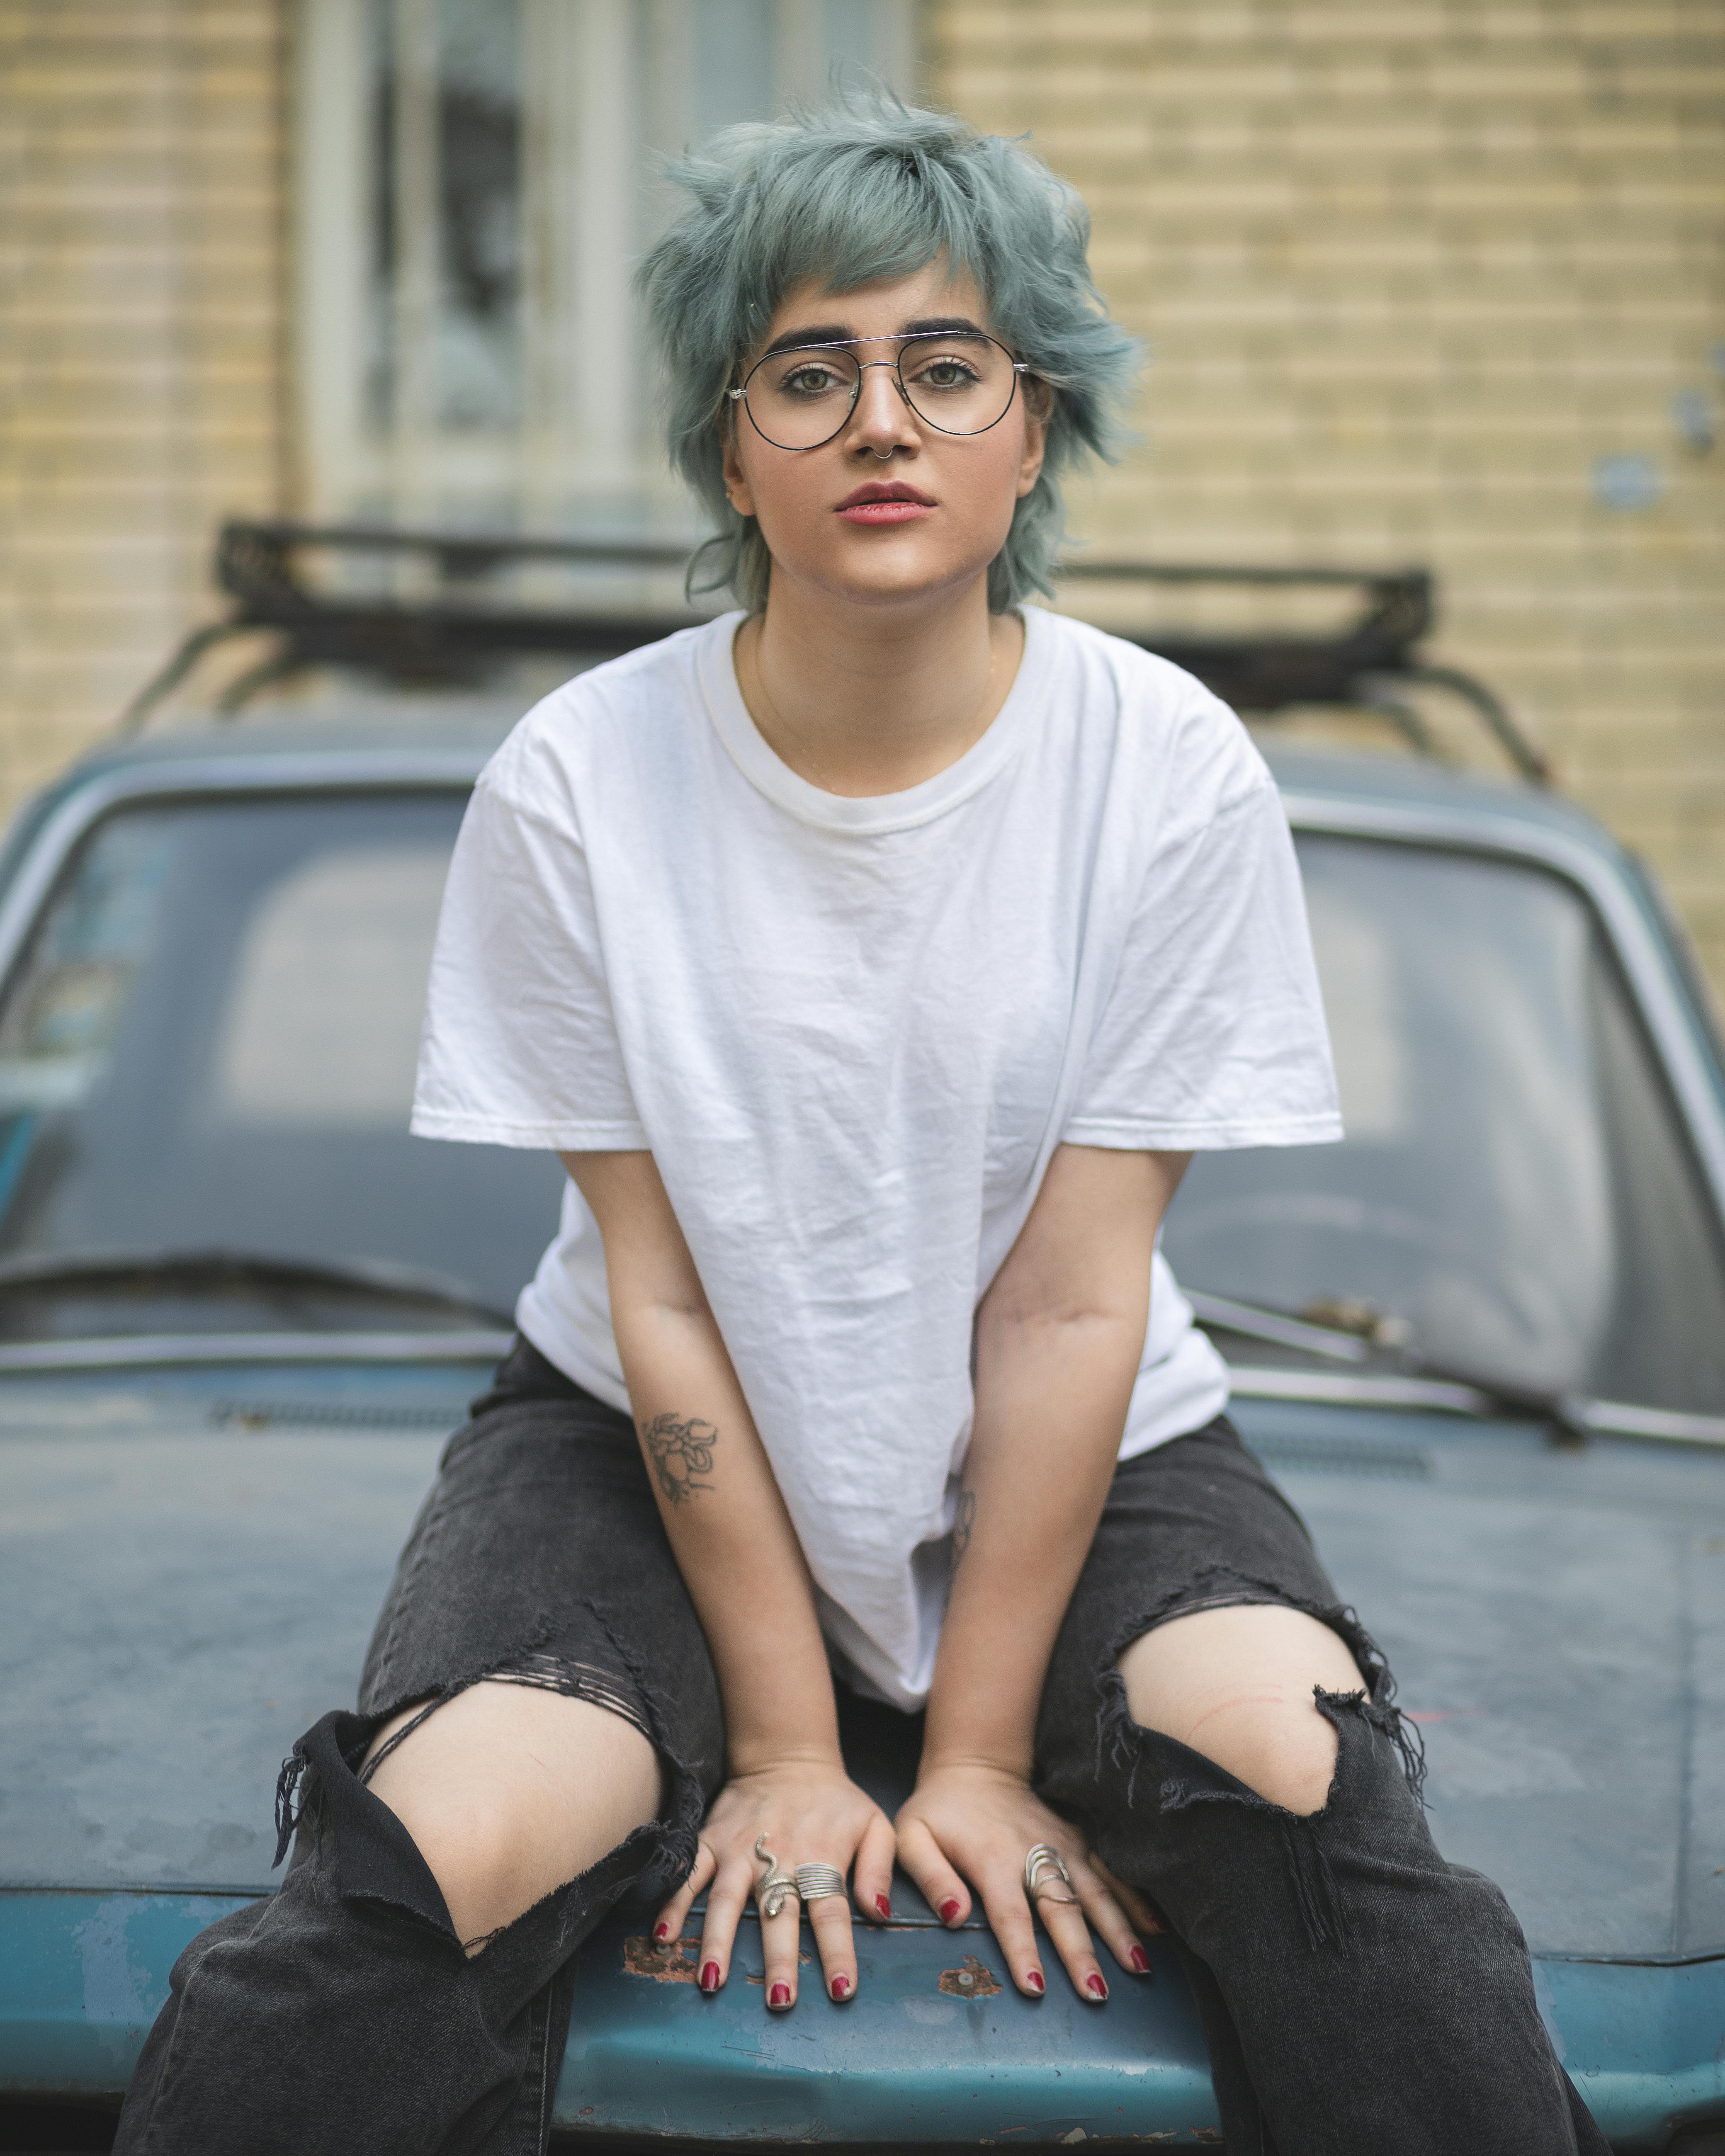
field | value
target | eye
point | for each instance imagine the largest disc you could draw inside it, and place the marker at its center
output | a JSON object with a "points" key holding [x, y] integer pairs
{"points": [[810, 377], [946, 370]]}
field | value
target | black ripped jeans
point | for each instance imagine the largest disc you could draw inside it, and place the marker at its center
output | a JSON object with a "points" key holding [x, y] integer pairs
{"points": [[1360, 1995]]}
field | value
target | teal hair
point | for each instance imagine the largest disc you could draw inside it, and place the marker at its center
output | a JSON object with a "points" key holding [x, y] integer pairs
{"points": [[866, 189]]}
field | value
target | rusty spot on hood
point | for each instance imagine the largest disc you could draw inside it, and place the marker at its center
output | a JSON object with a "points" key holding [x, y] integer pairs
{"points": [[678, 1961], [970, 1979]]}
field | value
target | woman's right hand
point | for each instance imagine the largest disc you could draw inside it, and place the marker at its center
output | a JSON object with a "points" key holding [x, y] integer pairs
{"points": [[806, 1811]]}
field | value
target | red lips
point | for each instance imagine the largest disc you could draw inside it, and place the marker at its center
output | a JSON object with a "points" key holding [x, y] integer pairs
{"points": [[887, 491]]}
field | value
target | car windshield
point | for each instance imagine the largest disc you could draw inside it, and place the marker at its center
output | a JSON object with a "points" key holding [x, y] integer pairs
{"points": [[208, 1045], [1515, 1199]]}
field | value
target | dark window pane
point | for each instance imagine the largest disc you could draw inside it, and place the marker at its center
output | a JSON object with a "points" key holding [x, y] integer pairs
{"points": [[479, 213]]}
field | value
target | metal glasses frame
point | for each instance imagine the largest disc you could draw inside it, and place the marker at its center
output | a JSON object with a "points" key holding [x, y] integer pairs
{"points": [[740, 394]]}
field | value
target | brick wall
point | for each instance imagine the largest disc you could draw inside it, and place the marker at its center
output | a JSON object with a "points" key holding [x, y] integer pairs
{"points": [[1411, 270], [140, 390]]}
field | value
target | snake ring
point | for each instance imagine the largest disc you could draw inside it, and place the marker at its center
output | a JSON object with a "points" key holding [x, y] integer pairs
{"points": [[777, 1885], [1043, 1863]]}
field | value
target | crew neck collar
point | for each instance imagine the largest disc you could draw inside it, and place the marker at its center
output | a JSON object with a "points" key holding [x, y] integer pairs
{"points": [[874, 812]]}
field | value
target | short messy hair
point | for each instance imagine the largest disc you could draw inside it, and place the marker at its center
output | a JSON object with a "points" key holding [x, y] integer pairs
{"points": [[865, 188]]}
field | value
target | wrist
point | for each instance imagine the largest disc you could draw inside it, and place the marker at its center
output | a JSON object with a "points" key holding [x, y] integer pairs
{"points": [[975, 1752], [768, 1752]]}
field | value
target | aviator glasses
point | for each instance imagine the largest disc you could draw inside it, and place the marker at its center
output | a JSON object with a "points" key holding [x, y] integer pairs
{"points": [[958, 383]]}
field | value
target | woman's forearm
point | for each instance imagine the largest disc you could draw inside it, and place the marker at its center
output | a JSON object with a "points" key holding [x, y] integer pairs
{"points": [[731, 1535], [1051, 1400], [1059, 1338]]}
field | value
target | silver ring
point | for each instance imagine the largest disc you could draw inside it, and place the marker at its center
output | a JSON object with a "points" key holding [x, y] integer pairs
{"points": [[774, 1889], [1042, 1863], [819, 1882]]}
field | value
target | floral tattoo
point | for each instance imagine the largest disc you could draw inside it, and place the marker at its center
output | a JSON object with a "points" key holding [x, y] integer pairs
{"points": [[681, 1453]]}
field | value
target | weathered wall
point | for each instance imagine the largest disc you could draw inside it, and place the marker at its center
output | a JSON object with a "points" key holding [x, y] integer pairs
{"points": [[140, 390], [1410, 271]]}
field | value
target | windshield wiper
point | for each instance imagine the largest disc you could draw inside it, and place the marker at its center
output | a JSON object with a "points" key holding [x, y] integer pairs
{"points": [[1222, 1314], [1573, 1416], [247, 1272]]}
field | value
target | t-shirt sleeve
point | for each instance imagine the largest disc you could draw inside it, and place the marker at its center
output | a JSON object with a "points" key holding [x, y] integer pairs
{"points": [[520, 1044], [1214, 1033]]}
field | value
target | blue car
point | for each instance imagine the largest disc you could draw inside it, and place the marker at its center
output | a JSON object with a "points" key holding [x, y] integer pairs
{"points": [[1482, 1343]]}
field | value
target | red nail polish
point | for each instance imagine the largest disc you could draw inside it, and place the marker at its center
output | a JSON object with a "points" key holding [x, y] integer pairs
{"points": [[1033, 1979], [949, 1909], [710, 1977], [1095, 1986], [883, 1906], [1141, 1961], [661, 1930], [780, 1995], [841, 1987]]}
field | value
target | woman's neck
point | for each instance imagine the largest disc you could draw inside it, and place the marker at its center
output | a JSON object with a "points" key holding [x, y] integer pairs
{"points": [[864, 701]]}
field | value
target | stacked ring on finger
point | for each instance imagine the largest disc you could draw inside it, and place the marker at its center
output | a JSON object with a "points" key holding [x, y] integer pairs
{"points": [[1043, 1863], [819, 1882], [775, 1888]]}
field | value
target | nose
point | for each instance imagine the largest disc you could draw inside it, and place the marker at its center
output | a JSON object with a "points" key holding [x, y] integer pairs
{"points": [[882, 423]]}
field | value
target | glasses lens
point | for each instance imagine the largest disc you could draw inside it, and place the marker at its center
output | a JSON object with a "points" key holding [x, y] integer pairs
{"points": [[960, 384], [799, 399]]}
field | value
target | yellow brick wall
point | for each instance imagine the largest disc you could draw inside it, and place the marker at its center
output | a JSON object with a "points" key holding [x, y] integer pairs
{"points": [[141, 387], [1408, 268]]}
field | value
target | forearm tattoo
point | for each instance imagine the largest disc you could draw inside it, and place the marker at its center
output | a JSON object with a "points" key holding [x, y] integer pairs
{"points": [[681, 1453]]}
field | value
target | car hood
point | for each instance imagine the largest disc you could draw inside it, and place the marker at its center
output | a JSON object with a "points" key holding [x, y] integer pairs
{"points": [[190, 1566], [1555, 1617]]}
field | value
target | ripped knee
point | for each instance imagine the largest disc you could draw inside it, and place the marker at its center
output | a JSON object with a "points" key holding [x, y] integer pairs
{"points": [[511, 1789], [1236, 1683]]}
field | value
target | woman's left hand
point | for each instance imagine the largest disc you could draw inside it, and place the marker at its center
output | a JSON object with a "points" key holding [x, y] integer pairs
{"points": [[975, 1824]]}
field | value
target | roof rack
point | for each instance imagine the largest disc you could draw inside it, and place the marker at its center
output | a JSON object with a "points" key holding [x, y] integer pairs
{"points": [[452, 633]]}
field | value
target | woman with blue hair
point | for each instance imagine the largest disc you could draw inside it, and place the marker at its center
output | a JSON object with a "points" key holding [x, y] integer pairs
{"points": [[876, 956]]}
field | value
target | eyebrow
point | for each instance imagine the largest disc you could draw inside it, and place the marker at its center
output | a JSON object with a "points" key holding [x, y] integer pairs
{"points": [[842, 333]]}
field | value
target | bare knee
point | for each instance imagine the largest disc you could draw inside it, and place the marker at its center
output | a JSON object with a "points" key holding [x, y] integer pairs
{"points": [[1236, 1685], [508, 1792]]}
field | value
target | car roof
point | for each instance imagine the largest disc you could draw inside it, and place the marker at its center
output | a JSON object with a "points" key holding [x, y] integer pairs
{"points": [[461, 734]]}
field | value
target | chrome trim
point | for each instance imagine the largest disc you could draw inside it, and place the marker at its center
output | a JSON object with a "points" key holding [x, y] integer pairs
{"points": [[336, 771], [166, 1350], [1659, 1425], [1686, 1062], [1334, 1389]]}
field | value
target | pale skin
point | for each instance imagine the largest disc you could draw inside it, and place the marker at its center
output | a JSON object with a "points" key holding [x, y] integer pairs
{"points": [[876, 664]]}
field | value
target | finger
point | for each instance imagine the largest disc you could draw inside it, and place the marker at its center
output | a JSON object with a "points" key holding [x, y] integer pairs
{"points": [[1010, 1919], [1071, 1935], [872, 1879], [668, 1925], [1109, 1920], [1145, 1921], [829, 1918], [730, 1890], [779, 1938], [922, 1857]]}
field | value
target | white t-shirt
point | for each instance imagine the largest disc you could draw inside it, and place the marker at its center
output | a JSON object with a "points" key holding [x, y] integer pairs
{"points": [[852, 1032]]}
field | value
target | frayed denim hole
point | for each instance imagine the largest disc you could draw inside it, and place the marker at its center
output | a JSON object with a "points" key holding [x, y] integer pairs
{"points": [[625, 1691], [1223, 1586], [1389, 1721]]}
